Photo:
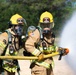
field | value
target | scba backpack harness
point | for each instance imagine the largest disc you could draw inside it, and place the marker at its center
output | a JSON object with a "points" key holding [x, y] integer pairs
{"points": [[11, 52], [32, 29]]}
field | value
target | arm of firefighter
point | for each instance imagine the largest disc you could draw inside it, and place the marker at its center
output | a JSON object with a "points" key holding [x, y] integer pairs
{"points": [[3, 38], [30, 44], [35, 52]]}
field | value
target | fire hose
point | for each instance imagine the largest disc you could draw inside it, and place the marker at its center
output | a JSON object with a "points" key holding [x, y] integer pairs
{"points": [[32, 57]]}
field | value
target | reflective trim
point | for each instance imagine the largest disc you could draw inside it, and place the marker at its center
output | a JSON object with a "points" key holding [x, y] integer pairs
{"points": [[16, 52], [49, 49], [2, 44], [41, 49], [43, 64], [52, 48], [7, 52], [36, 52], [53, 64], [8, 68], [56, 48]]}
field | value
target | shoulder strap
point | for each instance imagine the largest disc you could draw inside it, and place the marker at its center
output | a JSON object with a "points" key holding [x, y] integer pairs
{"points": [[4, 50], [40, 30], [9, 36], [10, 42]]}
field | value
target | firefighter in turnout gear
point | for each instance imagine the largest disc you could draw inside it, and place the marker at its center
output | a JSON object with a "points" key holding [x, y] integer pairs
{"points": [[10, 43], [40, 42]]}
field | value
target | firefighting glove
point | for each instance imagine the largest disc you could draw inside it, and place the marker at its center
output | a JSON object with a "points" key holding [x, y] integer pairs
{"points": [[40, 57]]}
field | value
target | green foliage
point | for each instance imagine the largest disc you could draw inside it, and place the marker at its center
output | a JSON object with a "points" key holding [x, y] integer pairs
{"points": [[32, 9]]}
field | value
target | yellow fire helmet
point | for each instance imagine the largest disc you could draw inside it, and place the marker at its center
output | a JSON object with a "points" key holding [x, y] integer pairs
{"points": [[46, 17], [16, 19]]}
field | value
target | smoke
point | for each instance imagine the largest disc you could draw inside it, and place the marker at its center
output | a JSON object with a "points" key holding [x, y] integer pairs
{"points": [[68, 40]]}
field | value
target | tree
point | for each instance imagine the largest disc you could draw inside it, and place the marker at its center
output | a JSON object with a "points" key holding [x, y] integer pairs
{"points": [[32, 9]]}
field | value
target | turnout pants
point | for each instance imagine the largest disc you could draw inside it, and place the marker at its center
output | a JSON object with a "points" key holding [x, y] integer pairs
{"points": [[8, 73], [40, 70]]}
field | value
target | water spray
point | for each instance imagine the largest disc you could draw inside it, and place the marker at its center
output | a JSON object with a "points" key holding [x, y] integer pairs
{"points": [[68, 40]]}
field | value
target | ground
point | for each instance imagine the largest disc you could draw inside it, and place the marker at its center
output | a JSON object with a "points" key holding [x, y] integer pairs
{"points": [[61, 67]]}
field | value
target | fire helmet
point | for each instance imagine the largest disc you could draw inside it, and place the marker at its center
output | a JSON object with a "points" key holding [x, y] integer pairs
{"points": [[46, 18], [16, 19]]}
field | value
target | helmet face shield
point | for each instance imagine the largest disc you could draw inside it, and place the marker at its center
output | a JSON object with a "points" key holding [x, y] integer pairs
{"points": [[20, 21], [46, 25], [46, 20]]}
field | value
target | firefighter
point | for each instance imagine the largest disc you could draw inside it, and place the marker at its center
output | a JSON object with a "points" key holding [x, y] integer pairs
{"points": [[10, 43], [40, 42]]}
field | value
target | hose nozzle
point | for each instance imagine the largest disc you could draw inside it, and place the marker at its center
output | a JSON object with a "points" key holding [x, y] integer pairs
{"points": [[66, 50]]}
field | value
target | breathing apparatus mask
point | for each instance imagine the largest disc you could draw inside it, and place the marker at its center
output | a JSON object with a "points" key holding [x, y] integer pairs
{"points": [[46, 32], [46, 28], [18, 29]]}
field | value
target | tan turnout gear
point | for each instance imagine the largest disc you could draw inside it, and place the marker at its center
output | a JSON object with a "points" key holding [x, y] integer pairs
{"points": [[40, 42], [34, 45], [45, 63], [7, 64], [10, 44]]}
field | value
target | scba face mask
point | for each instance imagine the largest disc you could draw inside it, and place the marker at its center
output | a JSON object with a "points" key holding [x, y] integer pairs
{"points": [[18, 30], [46, 32]]}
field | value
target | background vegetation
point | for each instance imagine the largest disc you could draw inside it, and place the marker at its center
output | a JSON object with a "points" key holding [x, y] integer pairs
{"points": [[32, 9]]}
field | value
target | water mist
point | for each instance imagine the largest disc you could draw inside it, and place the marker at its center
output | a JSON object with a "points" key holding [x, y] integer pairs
{"points": [[68, 40]]}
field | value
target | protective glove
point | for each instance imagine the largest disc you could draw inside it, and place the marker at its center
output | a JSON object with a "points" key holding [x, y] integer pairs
{"points": [[41, 57]]}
